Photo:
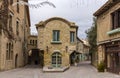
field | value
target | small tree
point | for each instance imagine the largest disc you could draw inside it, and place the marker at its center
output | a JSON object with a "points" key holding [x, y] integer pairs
{"points": [[92, 39], [101, 67]]}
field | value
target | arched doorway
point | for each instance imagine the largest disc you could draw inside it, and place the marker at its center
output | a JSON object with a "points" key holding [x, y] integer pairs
{"points": [[56, 59], [74, 57], [16, 60]]}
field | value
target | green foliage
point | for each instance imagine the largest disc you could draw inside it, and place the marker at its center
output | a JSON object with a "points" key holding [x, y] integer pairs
{"points": [[92, 36], [101, 67], [92, 39]]}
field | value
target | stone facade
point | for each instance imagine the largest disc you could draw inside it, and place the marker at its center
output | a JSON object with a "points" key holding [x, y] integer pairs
{"points": [[86, 48], [63, 47], [79, 45], [13, 51], [80, 48], [83, 49], [108, 35], [32, 42]]}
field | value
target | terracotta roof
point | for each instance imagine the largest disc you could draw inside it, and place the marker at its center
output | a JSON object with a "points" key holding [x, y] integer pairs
{"points": [[80, 39], [105, 7], [85, 42]]}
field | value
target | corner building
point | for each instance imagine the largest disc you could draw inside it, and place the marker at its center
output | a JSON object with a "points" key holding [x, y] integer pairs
{"points": [[57, 38], [108, 35]]}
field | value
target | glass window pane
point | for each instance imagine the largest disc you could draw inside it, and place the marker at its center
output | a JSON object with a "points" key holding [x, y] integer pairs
{"points": [[56, 35], [72, 36], [56, 59]]}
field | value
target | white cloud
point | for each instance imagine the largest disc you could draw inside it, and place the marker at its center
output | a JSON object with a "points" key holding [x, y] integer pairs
{"points": [[78, 11]]}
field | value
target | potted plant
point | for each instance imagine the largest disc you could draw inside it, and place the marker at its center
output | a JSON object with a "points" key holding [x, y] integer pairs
{"points": [[101, 67]]}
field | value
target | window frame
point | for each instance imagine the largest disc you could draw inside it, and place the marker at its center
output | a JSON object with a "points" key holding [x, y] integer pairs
{"points": [[11, 2], [57, 60], [17, 27], [56, 35], [9, 51], [115, 19], [72, 37], [18, 8]]}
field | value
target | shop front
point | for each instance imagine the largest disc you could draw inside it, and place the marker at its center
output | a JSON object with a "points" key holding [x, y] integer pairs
{"points": [[112, 57]]}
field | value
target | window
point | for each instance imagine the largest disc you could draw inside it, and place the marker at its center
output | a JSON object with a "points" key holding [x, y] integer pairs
{"points": [[9, 51], [114, 0], [72, 37], [56, 35], [11, 2], [56, 59], [116, 19], [36, 42], [17, 28], [33, 42], [10, 22], [17, 6], [30, 41]]}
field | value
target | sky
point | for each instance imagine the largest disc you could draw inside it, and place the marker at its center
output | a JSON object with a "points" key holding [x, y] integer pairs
{"points": [[78, 11]]}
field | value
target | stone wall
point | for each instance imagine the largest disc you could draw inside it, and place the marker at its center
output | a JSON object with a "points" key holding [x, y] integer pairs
{"points": [[19, 41], [104, 24], [45, 42]]}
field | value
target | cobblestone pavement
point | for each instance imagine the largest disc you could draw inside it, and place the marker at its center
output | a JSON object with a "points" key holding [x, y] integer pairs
{"points": [[83, 70]]}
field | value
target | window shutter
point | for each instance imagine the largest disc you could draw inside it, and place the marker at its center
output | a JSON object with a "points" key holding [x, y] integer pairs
{"points": [[53, 35], [58, 35]]}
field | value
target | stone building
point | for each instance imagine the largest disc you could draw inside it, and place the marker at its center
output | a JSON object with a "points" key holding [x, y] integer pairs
{"points": [[80, 48], [86, 48], [14, 31], [83, 49], [35, 56], [32, 42], [108, 35], [57, 38]]}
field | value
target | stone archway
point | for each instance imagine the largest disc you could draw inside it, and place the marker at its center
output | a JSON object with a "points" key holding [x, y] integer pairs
{"points": [[35, 57], [74, 57]]}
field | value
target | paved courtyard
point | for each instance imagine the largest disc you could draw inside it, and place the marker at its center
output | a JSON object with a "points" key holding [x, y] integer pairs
{"points": [[83, 70]]}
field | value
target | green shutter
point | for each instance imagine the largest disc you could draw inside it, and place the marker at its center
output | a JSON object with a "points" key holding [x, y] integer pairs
{"points": [[53, 35], [73, 36], [70, 37], [58, 35]]}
